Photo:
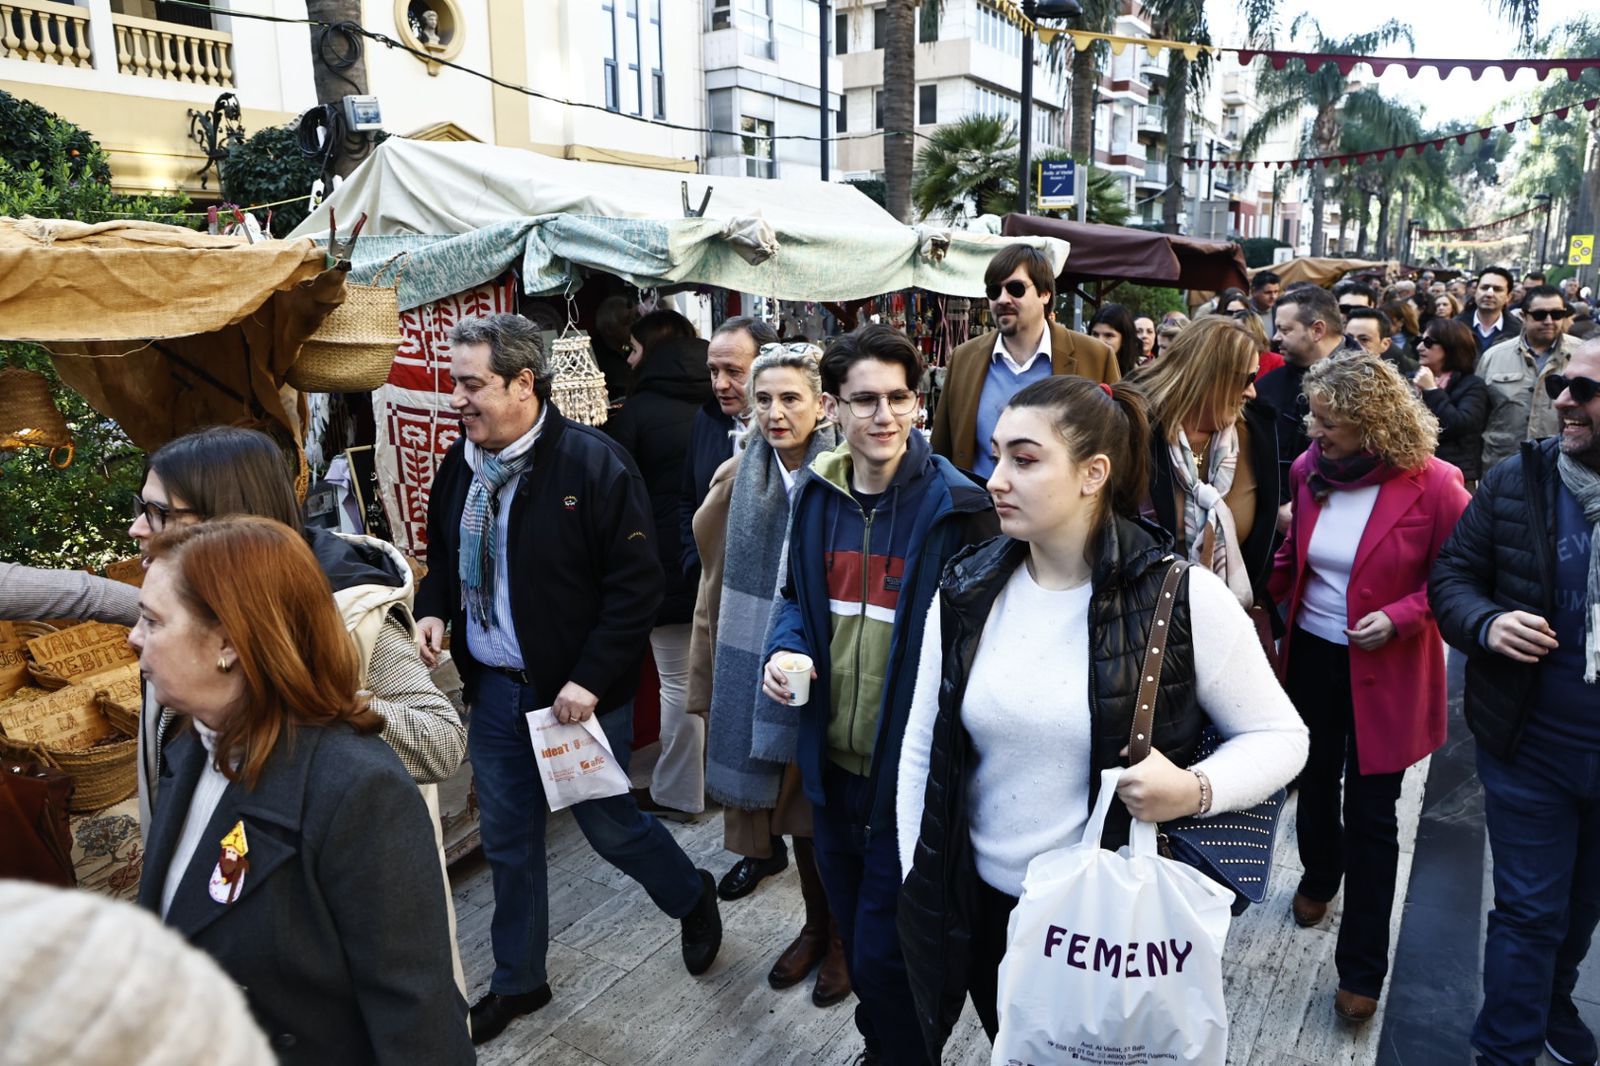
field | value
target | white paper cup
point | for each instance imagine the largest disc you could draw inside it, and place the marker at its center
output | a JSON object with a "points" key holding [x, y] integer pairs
{"points": [[797, 668]]}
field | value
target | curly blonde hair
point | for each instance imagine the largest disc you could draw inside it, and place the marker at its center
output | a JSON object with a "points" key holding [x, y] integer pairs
{"points": [[1365, 390]]}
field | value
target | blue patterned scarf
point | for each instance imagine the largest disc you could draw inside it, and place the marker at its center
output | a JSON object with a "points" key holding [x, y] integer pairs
{"points": [[480, 520]]}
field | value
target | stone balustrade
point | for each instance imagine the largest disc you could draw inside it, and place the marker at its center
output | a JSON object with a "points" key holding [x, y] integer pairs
{"points": [[42, 31], [170, 52]]}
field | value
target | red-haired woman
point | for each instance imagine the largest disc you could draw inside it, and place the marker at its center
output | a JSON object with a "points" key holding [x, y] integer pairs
{"points": [[1458, 398], [290, 843]]}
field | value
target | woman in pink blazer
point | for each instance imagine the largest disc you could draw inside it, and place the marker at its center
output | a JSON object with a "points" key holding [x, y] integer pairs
{"points": [[1363, 660]]}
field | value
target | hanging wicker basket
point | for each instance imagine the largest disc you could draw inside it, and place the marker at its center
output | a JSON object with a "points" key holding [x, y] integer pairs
{"points": [[578, 388], [356, 344], [28, 416]]}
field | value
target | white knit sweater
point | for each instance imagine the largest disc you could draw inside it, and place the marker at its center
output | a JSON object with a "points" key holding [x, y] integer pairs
{"points": [[1027, 711]]}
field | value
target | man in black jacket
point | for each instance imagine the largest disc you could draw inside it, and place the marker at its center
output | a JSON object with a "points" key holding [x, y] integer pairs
{"points": [[1310, 329], [543, 562], [732, 348], [1489, 317], [1515, 588]]}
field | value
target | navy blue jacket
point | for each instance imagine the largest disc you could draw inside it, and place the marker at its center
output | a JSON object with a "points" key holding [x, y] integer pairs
{"points": [[955, 512], [710, 445]]}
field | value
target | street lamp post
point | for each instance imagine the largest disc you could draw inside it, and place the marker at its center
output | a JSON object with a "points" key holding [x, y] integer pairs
{"points": [[1035, 10], [822, 100]]}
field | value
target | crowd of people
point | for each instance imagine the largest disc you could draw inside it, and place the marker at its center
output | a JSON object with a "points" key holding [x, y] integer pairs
{"points": [[1351, 479]]}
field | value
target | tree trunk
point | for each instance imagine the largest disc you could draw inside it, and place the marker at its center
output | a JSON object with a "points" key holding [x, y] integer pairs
{"points": [[1402, 234], [1319, 196], [332, 84], [1383, 221], [1361, 228], [1344, 227], [1176, 102], [1085, 82], [899, 92]]}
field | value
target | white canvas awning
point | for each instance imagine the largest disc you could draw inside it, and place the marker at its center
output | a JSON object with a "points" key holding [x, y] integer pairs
{"points": [[466, 212]]}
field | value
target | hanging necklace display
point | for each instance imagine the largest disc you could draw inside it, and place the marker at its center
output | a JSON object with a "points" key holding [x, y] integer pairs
{"points": [[578, 387]]}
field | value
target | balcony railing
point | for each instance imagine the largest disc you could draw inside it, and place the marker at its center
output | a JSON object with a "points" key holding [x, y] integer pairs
{"points": [[169, 52], [42, 31], [1153, 117], [1155, 173]]}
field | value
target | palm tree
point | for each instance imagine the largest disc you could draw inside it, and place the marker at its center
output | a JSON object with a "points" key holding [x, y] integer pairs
{"points": [[1285, 93], [899, 92], [1098, 17], [966, 161], [1179, 20], [975, 161]]}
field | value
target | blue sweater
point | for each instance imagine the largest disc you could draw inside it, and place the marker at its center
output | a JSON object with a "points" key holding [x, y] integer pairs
{"points": [[999, 385]]}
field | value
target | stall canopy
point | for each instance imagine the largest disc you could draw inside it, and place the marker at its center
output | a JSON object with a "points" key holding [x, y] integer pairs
{"points": [[1122, 253], [1325, 272], [466, 212], [162, 328]]}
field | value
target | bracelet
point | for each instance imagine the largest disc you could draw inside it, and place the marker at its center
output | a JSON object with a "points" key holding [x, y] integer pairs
{"points": [[1205, 791]]}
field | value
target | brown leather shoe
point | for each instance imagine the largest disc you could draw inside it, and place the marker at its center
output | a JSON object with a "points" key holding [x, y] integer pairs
{"points": [[1354, 1008], [799, 958], [833, 977], [1307, 911]]}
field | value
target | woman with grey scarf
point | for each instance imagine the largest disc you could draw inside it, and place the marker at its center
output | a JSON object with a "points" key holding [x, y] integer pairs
{"points": [[742, 533]]}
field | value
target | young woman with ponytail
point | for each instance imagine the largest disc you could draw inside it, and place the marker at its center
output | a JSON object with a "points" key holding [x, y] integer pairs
{"points": [[1029, 692]]}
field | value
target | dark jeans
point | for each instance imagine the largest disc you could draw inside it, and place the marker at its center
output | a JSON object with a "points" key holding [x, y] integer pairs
{"points": [[861, 875], [1362, 848], [1542, 809], [988, 948], [511, 821]]}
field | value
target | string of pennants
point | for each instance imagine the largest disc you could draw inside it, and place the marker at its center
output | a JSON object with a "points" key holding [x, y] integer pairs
{"points": [[1378, 155], [1481, 226], [1574, 66]]}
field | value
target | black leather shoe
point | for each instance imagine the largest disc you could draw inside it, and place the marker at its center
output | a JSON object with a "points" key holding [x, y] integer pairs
{"points": [[702, 929], [746, 874], [491, 1014], [1566, 1039]]}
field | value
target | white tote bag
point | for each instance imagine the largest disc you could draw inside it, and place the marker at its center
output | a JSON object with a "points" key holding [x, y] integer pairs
{"points": [[575, 761], [1114, 958]]}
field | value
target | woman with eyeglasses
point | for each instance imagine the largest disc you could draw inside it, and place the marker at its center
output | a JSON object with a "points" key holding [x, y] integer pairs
{"points": [[1362, 660], [1458, 398], [741, 530], [1214, 455]]}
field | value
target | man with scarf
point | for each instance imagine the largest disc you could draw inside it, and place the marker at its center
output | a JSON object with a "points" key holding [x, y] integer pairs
{"points": [[543, 563], [1517, 588]]}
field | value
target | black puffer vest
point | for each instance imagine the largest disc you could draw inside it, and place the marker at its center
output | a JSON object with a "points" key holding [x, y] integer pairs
{"points": [[937, 901]]}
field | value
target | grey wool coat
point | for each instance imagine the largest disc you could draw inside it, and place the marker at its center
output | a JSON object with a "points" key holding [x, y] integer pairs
{"points": [[338, 935]]}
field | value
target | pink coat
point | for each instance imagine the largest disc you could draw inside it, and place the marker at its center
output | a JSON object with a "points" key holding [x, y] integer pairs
{"points": [[1399, 688]]}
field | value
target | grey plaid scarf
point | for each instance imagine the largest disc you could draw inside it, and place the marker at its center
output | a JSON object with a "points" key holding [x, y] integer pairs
{"points": [[1584, 484], [480, 519]]}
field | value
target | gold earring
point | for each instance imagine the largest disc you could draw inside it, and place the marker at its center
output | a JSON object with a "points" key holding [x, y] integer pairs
{"points": [[223, 666]]}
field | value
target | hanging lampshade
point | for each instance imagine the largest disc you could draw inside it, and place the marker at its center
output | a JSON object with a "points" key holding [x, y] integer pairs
{"points": [[579, 388], [28, 416]]}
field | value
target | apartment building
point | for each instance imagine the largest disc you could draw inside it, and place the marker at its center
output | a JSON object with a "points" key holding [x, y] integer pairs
{"points": [[131, 71], [968, 62]]}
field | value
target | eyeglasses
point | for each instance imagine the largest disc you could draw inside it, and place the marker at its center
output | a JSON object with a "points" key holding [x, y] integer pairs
{"points": [[1250, 378], [1017, 289], [1345, 309], [1543, 315], [156, 514], [865, 404], [1583, 389], [1426, 342]]}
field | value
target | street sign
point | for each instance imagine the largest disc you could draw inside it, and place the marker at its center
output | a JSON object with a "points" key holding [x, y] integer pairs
{"points": [[1058, 183], [1581, 252]]}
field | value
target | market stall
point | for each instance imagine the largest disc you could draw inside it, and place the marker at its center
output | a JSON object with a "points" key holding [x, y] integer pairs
{"points": [[1107, 256]]}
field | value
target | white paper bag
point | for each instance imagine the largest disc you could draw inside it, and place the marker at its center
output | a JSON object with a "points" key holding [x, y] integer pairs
{"points": [[1114, 958], [575, 761]]}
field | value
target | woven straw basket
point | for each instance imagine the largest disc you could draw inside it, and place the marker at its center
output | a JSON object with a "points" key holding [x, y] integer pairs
{"points": [[102, 775], [356, 344], [28, 417]]}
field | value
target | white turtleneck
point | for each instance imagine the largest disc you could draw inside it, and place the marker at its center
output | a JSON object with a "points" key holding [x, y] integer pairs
{"points": [[202, 805]]}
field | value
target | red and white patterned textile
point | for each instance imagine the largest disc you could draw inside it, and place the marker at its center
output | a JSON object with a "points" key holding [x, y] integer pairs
{"points": [[415, 425]]}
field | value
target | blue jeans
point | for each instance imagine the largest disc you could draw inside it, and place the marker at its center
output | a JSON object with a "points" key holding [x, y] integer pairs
{"points": [[511, 820], [861, 876], [1542, 809]]}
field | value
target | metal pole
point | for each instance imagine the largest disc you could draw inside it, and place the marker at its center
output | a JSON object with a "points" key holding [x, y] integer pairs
{"points": [[1025, 126], [1544, 239], [822, 100]]}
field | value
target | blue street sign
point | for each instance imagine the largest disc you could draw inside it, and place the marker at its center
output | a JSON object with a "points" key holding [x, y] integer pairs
{"points": [[1058, 183]]}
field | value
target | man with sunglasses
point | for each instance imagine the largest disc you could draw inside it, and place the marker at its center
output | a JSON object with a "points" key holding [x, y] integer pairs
{"points": [[873, 525], [1514, 368], [1488, 318], [1026, 346], [1517, 587]]}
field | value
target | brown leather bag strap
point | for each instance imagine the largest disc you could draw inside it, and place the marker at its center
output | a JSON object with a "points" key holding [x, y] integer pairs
{"points": [[1144, 712]]}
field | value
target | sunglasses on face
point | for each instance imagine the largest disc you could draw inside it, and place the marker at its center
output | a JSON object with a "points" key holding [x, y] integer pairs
{"points": [[1542, 315], [1016, 289], [1426, 342], [1583, 389], [1250, 378], [1345, 309]]}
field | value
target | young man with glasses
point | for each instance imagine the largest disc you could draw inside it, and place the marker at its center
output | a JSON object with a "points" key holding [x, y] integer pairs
{"points": [[1514, 368], [1517, 587], [1026, 346], [873, 525]]}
